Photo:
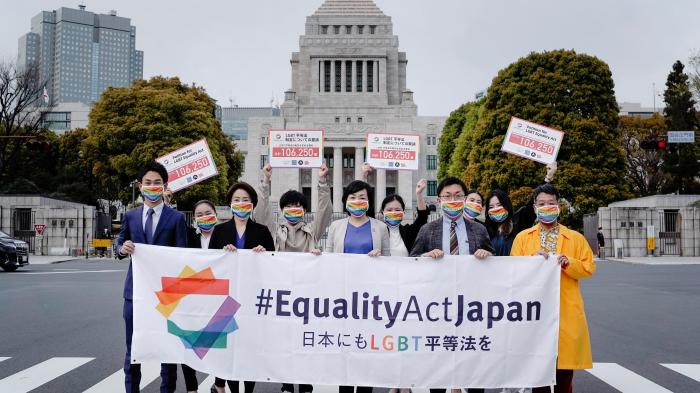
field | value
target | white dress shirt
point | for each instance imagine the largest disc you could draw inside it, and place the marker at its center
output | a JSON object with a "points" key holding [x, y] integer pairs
{"points": [[462, 239]]}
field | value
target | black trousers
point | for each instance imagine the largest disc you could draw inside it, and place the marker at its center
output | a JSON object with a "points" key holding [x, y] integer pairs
{"points": [[288, 387], [565, 383], [190, 378], [350, 389], [248, 386]]}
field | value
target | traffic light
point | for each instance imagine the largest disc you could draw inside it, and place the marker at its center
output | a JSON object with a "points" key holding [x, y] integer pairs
{"points": [[653, 144], [661, 144]]}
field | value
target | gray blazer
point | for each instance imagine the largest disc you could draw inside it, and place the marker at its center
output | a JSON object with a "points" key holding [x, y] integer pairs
{"points": [[336, 236], [430, 237]]}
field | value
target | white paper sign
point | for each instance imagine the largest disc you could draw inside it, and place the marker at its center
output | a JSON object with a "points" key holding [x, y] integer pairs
{"points": [[301, 148], [189, 165], [347, 319], [393, 151], [681, 137], [532, 141]]}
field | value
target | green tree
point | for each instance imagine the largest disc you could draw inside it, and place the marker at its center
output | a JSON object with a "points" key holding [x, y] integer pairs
{"points": [[564, 90], [464, 142], [644, 172], [450, 132], [681, 160], [131, 126]]}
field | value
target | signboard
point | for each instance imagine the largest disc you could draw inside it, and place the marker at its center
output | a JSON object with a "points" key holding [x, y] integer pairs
{"points": [[189, 165], [39, 228], [532, 141], [681, 137], [393, 151], [105, 243], [302, 148]]}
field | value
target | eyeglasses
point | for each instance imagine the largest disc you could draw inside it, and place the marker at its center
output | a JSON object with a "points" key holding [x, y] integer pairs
{"points": [[449, 197]]}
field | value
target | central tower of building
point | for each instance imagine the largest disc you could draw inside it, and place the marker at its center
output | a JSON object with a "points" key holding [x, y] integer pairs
{"points": [[348, 78]]}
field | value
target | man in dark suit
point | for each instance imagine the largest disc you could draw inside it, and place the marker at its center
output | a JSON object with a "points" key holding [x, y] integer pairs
{"points": [[153, 223], [452, 234]]}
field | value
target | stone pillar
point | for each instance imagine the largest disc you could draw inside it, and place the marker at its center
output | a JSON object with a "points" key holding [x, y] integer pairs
{"points": [[380, 189], [337, 179], [375, 76], [359, 160], [314, 189], [364, 76], [342, 76], [404, 187], [322, 75]]}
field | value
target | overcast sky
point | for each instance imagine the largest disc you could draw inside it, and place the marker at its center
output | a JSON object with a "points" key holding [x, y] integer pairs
{"points": [[241, 49]]}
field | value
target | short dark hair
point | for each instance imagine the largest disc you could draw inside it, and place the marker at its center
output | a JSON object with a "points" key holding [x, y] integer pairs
{"points": [[491, 225], [451, 180], [545, 189], [154, 166], [391, 198], [245, 187], [203, 202], [474, 191], [356, 186], [293, 196]]}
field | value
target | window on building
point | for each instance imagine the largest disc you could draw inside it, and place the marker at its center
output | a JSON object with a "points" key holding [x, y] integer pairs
{"points": [[263, 140], [370, 76], [432, 140], [359, 119], [327, 76], [336, 29], [348, 29], [360, 29], [338, 76], [348, 76], [372, 29], [348, 120], [358, 76], [431, 162], [324, 29], [337, 119], [432, 187], [329, 160], [263, 161], [348, 161]]}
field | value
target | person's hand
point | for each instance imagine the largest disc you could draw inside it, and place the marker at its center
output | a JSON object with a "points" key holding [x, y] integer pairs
{"points": [[375, 253], [435, 254], [267, 172], [563, 261], [541, 252], [315, 251], [420, 186], [127, 248], [551, 170], [230, 248], [259, 248], [366, 170], [482, 254], [323, 173]]}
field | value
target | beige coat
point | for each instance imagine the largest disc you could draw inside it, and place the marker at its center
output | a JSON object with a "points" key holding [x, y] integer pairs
{"points": [[336, 236]]}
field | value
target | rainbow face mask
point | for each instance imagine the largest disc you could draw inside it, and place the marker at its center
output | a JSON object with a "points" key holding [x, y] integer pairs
{"points": [[241, 210], [498, 214], [152, 193], [472, 210], [547, 214], [357, 208], [452, 209], [393, 219], [205, 224], [293, 214]]}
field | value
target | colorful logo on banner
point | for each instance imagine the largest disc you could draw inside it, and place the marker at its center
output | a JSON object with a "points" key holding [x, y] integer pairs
{"points": [[190, 282]]}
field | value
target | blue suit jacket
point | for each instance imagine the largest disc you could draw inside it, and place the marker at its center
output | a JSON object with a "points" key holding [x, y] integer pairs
{"points": [[171, 231]]}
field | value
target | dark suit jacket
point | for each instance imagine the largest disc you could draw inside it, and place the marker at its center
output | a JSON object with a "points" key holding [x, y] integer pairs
{"points": [[430, 237], [194, 239], [409, 232], [255, 235], [171, 232]]}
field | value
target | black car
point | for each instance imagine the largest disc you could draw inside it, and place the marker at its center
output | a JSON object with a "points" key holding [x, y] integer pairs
{"points": [[13, 253]]}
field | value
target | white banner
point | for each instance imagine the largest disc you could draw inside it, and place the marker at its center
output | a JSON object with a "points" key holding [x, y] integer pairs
{"points": [[393, 151], [345, 319], [189, 165], [532, 141], [301, 148]]}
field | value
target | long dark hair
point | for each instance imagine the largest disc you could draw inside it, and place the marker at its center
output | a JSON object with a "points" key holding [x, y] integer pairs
{"points": [[491, 225]]}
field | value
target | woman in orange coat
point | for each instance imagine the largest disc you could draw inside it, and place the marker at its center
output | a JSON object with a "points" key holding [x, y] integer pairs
{"points": [[576, 260]]}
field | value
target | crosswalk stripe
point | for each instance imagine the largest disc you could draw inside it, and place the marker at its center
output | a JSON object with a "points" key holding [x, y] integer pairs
{"points": [[2, 358], [625, 380], [115, 382], [39, 374], [691, 371], [206, 384]]}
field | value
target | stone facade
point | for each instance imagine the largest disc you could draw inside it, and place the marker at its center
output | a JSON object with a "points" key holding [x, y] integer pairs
{"points": [[348, 78]]}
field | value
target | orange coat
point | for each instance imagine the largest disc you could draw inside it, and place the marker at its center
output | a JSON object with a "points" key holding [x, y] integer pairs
{"points": [[574, 341]]}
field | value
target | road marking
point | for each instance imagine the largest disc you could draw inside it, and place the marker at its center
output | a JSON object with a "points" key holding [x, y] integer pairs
{"points": [[39, 374], [691, 371], [78, 272], [2, 358], [625, 380], [115, 382], [206, 384]]}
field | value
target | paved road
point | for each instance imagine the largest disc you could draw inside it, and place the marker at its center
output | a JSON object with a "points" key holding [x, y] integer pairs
{"points": [[61, 329]]}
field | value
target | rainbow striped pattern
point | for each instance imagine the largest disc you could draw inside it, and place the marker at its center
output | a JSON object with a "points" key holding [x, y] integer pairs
{"points": [[293, 214], [206, 223], [498, 214], [242, 210], [452, 209], [152, 193], [393, 219], [548, 214], [357, 208], [472, 209]]}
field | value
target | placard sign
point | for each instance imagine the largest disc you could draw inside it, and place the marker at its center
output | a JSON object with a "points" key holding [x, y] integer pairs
{"points": [[189, 165], [301, 148], [532, 141], [393, 151]]}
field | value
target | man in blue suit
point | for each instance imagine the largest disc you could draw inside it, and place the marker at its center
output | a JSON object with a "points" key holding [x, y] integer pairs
{"points": [[153, 223]]}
